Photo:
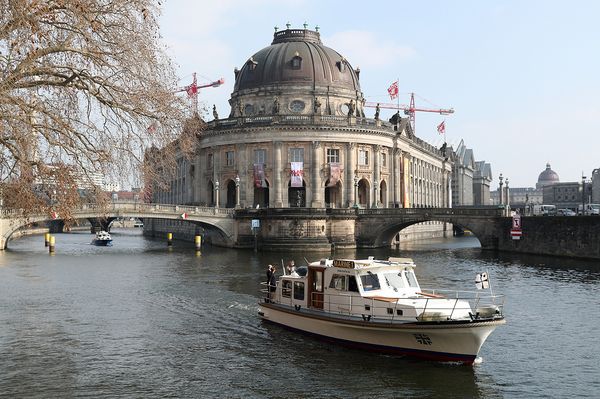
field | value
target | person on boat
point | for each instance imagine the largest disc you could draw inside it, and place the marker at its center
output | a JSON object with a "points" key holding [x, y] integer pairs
{"points": [[291, 267], [269, 273], [273, 281]]}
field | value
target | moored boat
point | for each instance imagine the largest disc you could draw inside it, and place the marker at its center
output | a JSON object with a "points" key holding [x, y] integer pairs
{"points": [[102, 239], [379, 305]]}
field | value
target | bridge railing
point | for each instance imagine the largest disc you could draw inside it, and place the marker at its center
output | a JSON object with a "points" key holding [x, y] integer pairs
{"points": [[430, 212], [142, 207]]}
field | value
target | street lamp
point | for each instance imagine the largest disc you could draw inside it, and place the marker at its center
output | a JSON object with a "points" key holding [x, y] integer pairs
{"points": [[500, 189], [583, 194], [237, 191], [217, 194], [355, 191], [507, 193]]}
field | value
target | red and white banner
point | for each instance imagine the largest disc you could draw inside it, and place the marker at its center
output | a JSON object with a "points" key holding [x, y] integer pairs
{"points": [[296, 174], [442, 128], [334, 174], [393, 90], [184, 215], [259, 176]]}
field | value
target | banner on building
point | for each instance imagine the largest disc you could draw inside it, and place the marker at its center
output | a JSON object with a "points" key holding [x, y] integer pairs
{"points": [[296, 174], [334, 174], [259, 176]]}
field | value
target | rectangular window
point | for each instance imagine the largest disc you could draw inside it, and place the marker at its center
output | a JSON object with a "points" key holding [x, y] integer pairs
{"points": [[363, 157], [384, 159], [209, 161], [229, 158], [260, 156], [298, 291], [333, 155], [296, 154], [338, 282], [286, 288], [370, 282]]}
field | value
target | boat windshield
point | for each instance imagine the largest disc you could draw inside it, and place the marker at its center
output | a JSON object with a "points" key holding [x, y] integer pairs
{"points": [[410, 277], [394, 281], [370, 282]]}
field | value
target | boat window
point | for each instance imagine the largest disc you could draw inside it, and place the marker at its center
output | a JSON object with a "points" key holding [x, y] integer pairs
{"points": [[299, 290], [370, 282], [394, 281], [286, 288], [352, 286], [410, 277], [338, 281]]}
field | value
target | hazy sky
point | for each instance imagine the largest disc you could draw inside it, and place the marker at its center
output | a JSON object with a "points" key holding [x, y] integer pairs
{"points": [[522, 76]]}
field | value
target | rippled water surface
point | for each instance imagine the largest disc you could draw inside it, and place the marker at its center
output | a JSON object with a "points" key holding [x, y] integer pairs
{"points": [[139, 320]]}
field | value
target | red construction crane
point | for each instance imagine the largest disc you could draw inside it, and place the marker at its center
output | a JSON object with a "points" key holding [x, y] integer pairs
{"points": [[192, 90], [410, 109]]}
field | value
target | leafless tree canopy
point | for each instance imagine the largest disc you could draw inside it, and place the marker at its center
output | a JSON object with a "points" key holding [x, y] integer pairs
{"points": [[85, 88]]}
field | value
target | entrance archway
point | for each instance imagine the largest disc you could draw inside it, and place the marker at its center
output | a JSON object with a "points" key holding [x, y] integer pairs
{"points": [[333, 195], [297, 195], [211, 193], [363, 193], [230, 194], [383, 194], [261, 196]]}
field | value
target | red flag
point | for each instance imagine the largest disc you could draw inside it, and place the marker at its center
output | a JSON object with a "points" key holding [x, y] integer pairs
{"points": [[393, 90], [442, 127], [191, 89]]}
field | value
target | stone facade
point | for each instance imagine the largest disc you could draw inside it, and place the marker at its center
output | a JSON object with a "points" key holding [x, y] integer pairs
{"points": [[297, 137]]}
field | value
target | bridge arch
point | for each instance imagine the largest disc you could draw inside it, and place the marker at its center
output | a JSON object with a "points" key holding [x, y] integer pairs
{"points": [[218, 221], [377, 227]]}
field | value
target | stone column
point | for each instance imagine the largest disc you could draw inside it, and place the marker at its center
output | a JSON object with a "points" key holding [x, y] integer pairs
{"points": [[350, 170], [277, 170], [317, 192], [396, 177], [376, 156], [242, 167]]}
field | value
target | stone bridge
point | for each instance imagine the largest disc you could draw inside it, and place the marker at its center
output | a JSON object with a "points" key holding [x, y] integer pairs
{"points": [[218, 220], [323, 229]]}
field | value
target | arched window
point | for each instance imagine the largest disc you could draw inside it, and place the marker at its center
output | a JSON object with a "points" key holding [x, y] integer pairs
{"points": [[296, 61]]}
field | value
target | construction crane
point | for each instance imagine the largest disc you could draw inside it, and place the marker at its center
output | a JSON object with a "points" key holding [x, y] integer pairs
{"points": [[192, 90], [410, 109]]}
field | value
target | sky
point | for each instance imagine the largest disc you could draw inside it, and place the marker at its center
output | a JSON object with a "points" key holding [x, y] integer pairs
{"points": [[522, 76]]}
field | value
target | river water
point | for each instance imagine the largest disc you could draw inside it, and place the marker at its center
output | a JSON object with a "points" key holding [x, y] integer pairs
{"points": [[139, 320]]}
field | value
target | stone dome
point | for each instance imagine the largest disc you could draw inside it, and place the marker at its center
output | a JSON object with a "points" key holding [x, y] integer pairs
{"points": [[547, 177], [296, 74], [297, 56]]}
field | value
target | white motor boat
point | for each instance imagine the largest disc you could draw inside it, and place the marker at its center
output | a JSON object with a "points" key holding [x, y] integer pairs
{"points": [[102, 239], [379, 305]]}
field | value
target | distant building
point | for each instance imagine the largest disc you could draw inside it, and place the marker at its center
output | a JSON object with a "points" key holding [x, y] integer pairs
{"points": [[470, 179], [482, 178], [527, 197], [565, 195]]}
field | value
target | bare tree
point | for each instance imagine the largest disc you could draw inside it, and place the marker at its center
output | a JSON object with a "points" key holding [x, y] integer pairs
{"points": [[85, 89]]}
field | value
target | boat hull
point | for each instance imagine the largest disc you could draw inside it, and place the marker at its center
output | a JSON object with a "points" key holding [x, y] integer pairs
{"points": [[102, 243], [440, 341]]}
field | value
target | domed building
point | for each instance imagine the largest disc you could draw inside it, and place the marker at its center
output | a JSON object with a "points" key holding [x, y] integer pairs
{"points": [[547, 178], [297, 137]]}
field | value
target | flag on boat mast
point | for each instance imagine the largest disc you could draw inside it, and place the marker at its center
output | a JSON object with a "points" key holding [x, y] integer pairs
{"points": [[482, 281]]}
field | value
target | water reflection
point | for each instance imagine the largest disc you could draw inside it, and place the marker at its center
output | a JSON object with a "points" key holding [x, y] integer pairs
{"points": [[139, 320]]}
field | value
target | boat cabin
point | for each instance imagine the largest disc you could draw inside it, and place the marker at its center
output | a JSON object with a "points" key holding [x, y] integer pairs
{"points": [[352, 286]]}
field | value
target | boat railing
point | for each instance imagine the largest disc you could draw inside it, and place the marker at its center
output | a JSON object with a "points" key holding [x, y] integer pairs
{"points": [[426, 308]]}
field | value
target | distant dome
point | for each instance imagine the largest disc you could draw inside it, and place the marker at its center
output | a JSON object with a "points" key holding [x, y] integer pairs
{"points": [[547, 177]]}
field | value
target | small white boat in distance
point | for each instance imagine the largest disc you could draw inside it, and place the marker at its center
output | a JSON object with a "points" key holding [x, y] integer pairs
{"points": [[379, 305], [102, 239]]}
